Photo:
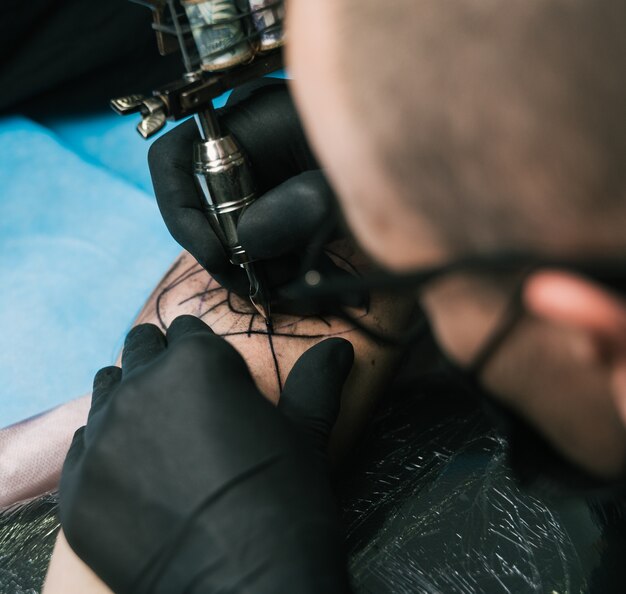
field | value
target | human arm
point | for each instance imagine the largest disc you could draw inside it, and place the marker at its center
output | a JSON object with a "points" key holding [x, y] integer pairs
{"points": [[188, 289]]}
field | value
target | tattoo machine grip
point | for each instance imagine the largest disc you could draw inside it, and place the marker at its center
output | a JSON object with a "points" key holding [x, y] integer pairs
{"points": [[224, 178]]}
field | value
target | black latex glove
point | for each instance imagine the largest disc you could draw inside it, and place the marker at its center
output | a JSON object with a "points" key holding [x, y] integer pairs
{"points": [[294, 200], [186, 479]]}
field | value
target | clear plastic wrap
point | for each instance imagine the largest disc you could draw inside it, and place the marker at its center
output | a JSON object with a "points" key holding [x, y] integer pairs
{"points": [[27, 536], [431, 505]]}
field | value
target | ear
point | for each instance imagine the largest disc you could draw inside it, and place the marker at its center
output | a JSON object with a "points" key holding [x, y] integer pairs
{"points": [[598, 314]]}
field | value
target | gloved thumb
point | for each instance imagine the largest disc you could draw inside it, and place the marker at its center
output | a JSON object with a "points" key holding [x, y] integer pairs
{"points": [[312, 392]]}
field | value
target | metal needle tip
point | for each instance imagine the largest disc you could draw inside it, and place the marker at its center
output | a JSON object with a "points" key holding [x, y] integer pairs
{"points": [[263, 309], [258, 297]]}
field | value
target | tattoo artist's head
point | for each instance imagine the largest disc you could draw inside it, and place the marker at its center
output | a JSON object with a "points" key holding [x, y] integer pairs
{"points": [[455, 128]]}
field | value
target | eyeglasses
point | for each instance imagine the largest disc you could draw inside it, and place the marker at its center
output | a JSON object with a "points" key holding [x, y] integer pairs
{"points": [[326, 293]]}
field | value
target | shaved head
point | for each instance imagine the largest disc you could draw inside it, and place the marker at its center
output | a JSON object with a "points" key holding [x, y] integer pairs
{"points": [[503, 122]]}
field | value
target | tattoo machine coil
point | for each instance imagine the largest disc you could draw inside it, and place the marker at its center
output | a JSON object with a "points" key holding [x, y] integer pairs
{"points": [[224, 44]]}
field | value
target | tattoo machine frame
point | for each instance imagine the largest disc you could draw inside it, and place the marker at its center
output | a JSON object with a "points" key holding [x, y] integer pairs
{"points": [[223, 45]]}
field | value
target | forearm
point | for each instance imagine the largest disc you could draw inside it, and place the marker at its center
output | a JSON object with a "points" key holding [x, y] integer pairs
{"points": [[33, 451], [188, 289]]}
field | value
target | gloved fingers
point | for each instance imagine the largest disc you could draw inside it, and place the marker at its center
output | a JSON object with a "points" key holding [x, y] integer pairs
{"points": [[190, 227], [104, 383], [70, 479], [193, 341], [171, 167], [184, 326], [75, 452], [311, 396], [329, 270], [288, 217], [284, 301], [263, 118], [143, 344], [278, 271], [244, 92], [234, 279]]}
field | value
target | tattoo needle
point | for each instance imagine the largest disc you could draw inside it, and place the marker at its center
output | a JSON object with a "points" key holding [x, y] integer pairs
{"points": [[259, 296]]}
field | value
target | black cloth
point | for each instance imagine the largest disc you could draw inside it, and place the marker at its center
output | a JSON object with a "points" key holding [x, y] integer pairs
{"points": [[67, 56]]}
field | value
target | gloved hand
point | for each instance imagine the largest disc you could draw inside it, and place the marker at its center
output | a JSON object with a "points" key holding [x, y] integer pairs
{"points": [[294, 199], [186, 479]]}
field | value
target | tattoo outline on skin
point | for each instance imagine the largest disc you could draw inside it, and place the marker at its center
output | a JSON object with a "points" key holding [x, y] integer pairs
{"points": [[212, 297]]}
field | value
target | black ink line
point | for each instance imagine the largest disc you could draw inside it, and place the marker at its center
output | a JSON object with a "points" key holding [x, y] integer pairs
{"points": [[324, 320], [216, 320], [235, 323], [212, 308], [200, 295], [187, 274], [158, 310], [276, 366], [293, 336], [180, 279], [232, 307], [236, 307]]}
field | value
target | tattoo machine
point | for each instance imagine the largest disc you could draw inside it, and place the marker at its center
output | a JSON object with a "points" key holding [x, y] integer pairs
{"points": [[224, 44]]}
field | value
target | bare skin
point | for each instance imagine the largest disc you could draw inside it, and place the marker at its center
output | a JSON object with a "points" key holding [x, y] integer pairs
{"points": [[188, 289], [67, 573]]}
